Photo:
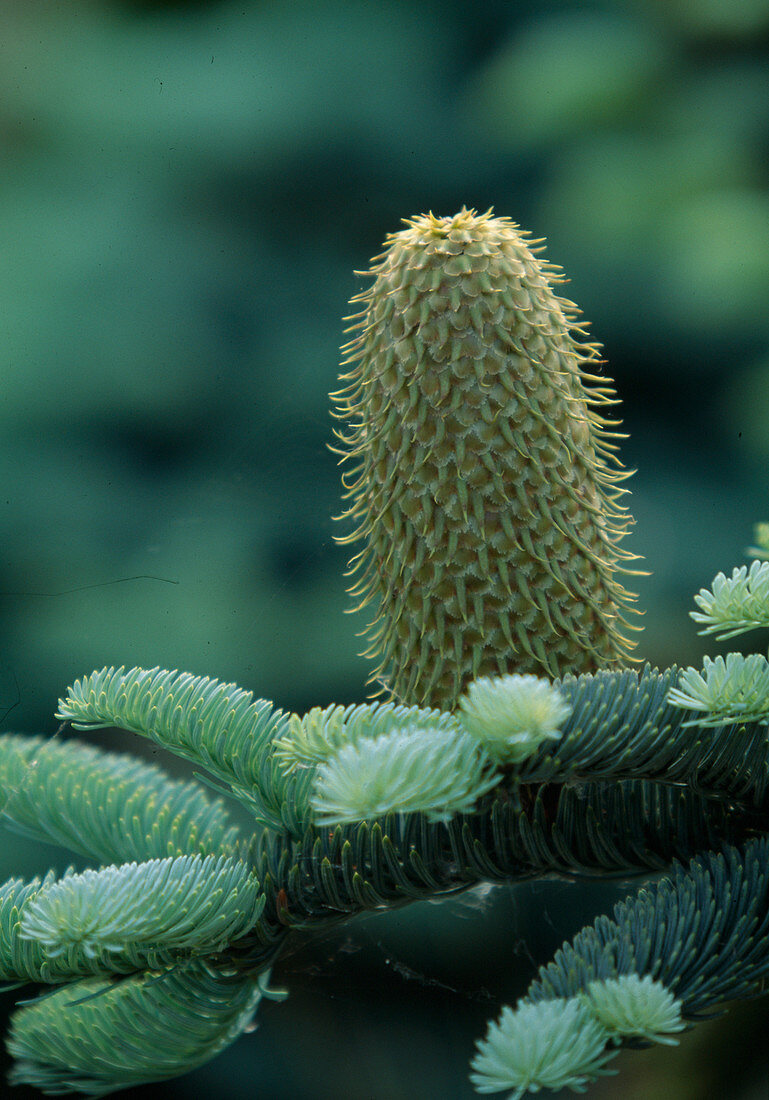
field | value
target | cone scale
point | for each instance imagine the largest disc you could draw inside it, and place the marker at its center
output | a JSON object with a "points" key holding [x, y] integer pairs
{"points": [[483, 483]]}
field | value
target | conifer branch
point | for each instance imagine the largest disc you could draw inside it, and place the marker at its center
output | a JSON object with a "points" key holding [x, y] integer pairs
{"points": [[219, 727], [109, 807], [182, 904], [99, 1037], [671, 955]]}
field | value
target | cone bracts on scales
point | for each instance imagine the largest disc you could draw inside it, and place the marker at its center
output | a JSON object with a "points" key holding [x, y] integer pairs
{"points": [[484, 485]]}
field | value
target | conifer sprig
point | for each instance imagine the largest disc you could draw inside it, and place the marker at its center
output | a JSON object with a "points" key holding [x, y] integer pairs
{"points": [[636, 1008], [412, 770], [727, 690], [551, 1045], [107, 806], [98, 1037], [513, 715], [187, 904], [671, 955], [218, 726], [735, 604], [314, 737]]}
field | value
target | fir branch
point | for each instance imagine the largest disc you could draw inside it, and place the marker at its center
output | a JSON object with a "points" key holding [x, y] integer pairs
{"points": [[512, 715], [735, 689], [614, 828], [672, 954], [635, 1008], [321, 732], [411, 770], [552, 1045], [215, 725], [23, 961], [187, 904], [626, 725], [622, 724], [55, 932], [703, 931], [99, 1037], [112, 808], [735, 604], [567, 1042]]}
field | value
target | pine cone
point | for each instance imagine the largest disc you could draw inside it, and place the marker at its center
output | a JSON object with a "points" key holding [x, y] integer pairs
{"points": [[485, 483]]}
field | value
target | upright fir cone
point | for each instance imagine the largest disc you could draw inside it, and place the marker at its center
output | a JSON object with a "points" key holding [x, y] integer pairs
{"points": [[484, 481]]}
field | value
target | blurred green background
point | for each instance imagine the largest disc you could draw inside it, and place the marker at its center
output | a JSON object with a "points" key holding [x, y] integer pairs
{"points": [[185, 192]]}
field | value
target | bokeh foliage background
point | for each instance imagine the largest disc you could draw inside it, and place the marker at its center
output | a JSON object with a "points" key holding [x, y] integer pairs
{"points": [[185, 190]]}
